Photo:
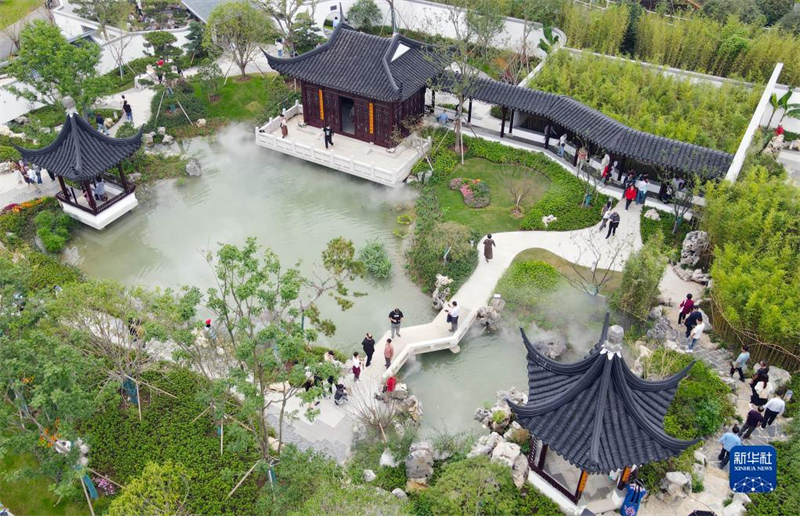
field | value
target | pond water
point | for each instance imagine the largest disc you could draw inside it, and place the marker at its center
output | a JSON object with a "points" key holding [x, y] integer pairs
{"points": [[295, 208]]}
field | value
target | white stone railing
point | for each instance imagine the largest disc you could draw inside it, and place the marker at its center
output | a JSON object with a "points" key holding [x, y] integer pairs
{"points": [[268, 135]]}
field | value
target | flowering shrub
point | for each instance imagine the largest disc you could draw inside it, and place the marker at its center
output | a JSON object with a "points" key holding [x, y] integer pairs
{"points": [[105, 486], [475, 191]]}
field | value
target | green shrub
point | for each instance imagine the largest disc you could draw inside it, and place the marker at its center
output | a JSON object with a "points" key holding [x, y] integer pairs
{"points": [[278, 97], [126, 130], [122, 445], [641, 276], [367, 455], [45, 272], [664, 225], [171, 116], [376, 259], [496, 111], [478, 486], [9, 154], [523, 284], [129, 70], [159, 489], [785, 499], [447, 248], [53, 229]]}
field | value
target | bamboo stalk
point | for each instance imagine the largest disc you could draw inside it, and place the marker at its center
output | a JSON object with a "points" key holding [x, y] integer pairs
{"points": [[243, 478], [200, 414], [138, 401], [105, 477], [88, 500]]}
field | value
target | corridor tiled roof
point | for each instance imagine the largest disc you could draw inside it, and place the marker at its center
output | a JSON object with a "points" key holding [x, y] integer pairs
{"points": [[596, 413], [81, 152], [611, 135], [387, 69]]}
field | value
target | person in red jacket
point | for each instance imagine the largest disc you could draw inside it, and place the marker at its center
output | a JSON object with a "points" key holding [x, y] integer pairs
{"points": [[630, 195], [686, 308]]}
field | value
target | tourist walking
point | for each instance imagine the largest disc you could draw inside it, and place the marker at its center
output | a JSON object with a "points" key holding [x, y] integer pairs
{"points": [[762, 392], [754, 418], [368, 345], [128, 111], [692, 320], [328, 132], [388, 353], [641, 190], [211, 333], [101, 123], [729, 441], [50, 174], [488, 243], [562, 145], [773, 409], [695, 334], [630, 195], [613, 223], [452, 316], [604, 220], [740, 362], [686, 308], [395, 318], [37, 170], [284, 126], [761, 374], [356, 367], [100, 190], [279, 47]]}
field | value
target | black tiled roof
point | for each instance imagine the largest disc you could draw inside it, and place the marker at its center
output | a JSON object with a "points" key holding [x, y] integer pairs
{"points": [[609, 134], [596, 413], [363, 64], [81, 152]]}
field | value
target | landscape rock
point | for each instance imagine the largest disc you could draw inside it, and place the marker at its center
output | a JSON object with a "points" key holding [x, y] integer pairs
{"points": [[414, 484], [500, 418], [162, 131], [45, 130], [168, 139], [489, 317], [485, 445], [652, 214], [741, 498], [662, 331], [700, 457], [676, 482], [22, 120], [388, 460], [359, 432], [413, 408], [694, 244], [779, 377], [5, 131], [548, 219], [698, 276], [201, 122], [421, 445], [147, 138], [734, 509], [506, 453], [419, 464], [5, 167], [517, 434], [57, 129], [481, 415], [551, 347], [442, 292], [513, 395], [644, 351], [136, 176], [656, 313], [699, 471], [369, 475], [193, 168], [519, 471], [399, 493]]}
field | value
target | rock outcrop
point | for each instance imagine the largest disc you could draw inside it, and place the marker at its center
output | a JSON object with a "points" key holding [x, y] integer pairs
{"points": [[694, 245]]}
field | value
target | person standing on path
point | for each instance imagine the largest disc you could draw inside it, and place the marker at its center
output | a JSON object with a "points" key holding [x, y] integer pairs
{"points": [[773, 409], [101, 123], [695, 334], [754, 418], [356, 367], [613, 223], [128, 111], [562, 145], [284, 126], [279, 47], [328, 132], [729, 441], [488, 243], [388, 353], [368, 344], [692, 319], [686, 308], [604, 221], [452, 316], [395, 318], [629, 195], [762, 374], [740, 362], [211, 333], [763, 391]]}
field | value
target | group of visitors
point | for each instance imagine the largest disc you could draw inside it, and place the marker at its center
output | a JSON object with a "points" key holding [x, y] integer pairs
{"points": [[692, 319], [609, 217], [30, 174], [635, 189]]}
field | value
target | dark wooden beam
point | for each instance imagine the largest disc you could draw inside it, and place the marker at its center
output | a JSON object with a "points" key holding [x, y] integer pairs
{"points": [[547, 137], [503, 125], [511, 123], [581, 486], [469, 112], [90, 196], [433, 101], [63, 187], [122, 178], [542, 456]]}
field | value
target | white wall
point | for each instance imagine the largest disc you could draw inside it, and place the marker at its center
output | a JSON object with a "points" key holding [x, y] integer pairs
{"points": [[431, 17], [790, 124], [10, 106]]}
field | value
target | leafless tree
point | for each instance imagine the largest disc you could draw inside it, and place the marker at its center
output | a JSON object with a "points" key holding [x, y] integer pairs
{"points": [[519, 183], [284, 13], [13, 32], [603, 254], [117, 47], [370, 410], [681, 195]]}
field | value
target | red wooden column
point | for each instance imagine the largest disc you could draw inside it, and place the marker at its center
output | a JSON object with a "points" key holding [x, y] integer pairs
{"points": [[63, 187], [581, 485], [122, 178]]}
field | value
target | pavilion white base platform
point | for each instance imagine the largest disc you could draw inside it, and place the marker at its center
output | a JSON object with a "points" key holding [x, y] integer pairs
{"points": [[349, 155], [106, 216]]}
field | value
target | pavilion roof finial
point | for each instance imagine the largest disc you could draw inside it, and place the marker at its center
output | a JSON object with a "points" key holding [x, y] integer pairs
{"points": [[69, 104], [613, 342]]}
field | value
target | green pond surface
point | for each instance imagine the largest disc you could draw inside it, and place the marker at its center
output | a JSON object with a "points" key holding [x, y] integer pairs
{"points": [[295, 208]]}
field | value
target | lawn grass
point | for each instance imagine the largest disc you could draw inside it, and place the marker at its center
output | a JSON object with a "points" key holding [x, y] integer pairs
{"points": [[564, 267], [239, 101], [497, 216], [31, 496], [11, 11]]}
